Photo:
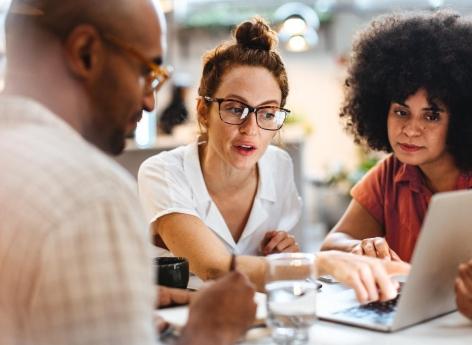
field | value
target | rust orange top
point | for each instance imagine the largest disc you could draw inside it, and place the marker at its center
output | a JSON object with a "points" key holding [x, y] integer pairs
{"points": [[396, 195]]}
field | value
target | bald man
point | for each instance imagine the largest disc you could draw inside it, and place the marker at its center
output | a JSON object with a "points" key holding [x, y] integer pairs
{"points": [[74, 260]]}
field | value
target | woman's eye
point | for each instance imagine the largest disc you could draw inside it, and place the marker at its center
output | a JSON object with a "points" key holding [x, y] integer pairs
{"points": [[433, 116], [269, 116], [401, 113], [237, 110]]}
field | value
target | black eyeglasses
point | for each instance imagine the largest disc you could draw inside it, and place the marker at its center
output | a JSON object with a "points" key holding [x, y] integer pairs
{"points": [[157, 74], [234, 112]]}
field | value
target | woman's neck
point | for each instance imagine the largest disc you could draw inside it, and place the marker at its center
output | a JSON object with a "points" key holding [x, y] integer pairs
{"points": [[221, 178], [441, 176]]}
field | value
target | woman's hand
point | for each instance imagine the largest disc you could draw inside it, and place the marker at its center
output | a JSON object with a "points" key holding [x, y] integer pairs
{"points": [[369, 277], [464, 289], [278, 242], [376, 247], [167, 296]]}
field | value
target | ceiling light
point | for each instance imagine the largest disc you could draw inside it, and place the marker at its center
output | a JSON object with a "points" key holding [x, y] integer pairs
{"points": [[294, 26], [299, 23]]}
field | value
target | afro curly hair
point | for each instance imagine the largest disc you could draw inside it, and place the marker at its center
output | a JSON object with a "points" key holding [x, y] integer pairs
{"points": [[400, 53]]}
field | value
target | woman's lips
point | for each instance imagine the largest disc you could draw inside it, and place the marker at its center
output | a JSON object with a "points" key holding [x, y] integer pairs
{"points": [[409, 148], [245, 149]]}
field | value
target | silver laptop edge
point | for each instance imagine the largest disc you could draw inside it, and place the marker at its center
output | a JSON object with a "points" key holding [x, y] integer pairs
{"points": [[445, 241]]}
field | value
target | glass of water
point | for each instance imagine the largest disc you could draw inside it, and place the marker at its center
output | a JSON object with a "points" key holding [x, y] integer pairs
{"points": [[291, 296]]}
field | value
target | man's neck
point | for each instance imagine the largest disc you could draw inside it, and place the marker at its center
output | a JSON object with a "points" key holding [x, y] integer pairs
{"points": [[62, 101]]}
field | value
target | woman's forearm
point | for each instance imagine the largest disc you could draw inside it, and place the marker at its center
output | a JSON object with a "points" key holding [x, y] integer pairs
{"points": [[339, 241], [255, 268]]}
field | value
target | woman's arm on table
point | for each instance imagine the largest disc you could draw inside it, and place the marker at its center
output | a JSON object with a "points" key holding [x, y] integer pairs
{"points": [[359, 233], [188, 236]]}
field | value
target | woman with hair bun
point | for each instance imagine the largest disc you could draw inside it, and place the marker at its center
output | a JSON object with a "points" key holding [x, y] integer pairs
{"points": [[232, 182], [232, 192]]}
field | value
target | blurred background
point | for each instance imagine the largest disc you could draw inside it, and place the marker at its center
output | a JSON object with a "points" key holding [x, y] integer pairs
{"points": [[315, 38]]}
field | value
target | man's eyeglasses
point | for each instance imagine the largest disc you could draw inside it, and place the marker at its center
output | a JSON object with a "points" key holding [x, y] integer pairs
{"points": [[234, 112], [156, 75]]}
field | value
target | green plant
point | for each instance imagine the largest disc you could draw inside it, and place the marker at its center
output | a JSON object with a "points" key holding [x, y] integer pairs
{"points": [[344, 180]]}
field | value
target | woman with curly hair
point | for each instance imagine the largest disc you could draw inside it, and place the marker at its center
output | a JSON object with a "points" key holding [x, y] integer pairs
{"points": [[232, 192], [408, 94]]}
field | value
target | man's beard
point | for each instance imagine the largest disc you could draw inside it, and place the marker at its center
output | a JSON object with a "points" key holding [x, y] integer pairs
{"points": [[116, 142], [104, 129], [107, 139]]}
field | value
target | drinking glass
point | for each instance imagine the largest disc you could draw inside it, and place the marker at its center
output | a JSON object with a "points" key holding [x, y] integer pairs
{"points": [[291, 297]]}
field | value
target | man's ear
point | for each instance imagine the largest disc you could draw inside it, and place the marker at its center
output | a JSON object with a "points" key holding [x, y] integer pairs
{"points": [[85, 53]]}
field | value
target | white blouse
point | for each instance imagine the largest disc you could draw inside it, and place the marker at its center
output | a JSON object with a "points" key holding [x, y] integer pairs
{"points": [[172, 182]]}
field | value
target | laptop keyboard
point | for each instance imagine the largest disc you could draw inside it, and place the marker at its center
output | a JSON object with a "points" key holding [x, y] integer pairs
{"points": [[375, 312]]}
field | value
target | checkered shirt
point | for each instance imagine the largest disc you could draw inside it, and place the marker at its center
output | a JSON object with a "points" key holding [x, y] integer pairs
{"points": [[74, 249]]}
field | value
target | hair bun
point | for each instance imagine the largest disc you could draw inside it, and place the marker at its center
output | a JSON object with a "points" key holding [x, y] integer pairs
{"points": [[256, 34]]}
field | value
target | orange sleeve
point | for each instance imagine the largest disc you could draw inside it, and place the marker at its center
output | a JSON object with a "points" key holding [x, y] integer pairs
{"points": [[371, 189]]}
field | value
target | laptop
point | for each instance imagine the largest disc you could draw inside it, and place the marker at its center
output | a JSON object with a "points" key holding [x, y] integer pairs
{"points": [[445, 241]]}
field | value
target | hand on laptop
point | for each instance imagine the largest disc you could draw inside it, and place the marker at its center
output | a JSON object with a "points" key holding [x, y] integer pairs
{"points": [[464, 289], [369, 277], [376, 247]]}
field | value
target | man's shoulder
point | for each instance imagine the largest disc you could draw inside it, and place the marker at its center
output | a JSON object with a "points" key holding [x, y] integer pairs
{"points": [[37, 144], [94, 171], [60, 169], [51, 180]]}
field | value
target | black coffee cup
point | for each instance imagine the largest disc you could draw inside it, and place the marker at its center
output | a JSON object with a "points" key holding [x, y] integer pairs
{"points": [[172, 271]]}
